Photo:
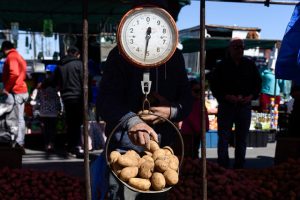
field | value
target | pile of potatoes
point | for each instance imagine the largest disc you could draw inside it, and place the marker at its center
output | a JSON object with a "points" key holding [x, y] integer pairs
{"points": [[155, 170]]}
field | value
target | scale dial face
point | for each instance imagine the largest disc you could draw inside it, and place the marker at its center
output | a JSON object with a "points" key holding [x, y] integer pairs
{"points": [[147, 36]]}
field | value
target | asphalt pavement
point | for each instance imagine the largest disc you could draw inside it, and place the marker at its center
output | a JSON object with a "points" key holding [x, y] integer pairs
{"points": [[38, 159]]}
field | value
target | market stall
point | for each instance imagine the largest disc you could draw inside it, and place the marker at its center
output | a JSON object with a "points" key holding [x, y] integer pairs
{"points": [[80, 17]]}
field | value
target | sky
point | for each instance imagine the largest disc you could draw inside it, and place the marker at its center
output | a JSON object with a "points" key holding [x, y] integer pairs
{"points": [[271, 20]]}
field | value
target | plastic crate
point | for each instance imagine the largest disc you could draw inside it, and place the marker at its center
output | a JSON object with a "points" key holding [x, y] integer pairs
{"points": [[211, 139], [257, 138]]}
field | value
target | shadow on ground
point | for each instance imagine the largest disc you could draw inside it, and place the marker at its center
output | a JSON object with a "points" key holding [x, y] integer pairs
{"points": [[252, 163]]}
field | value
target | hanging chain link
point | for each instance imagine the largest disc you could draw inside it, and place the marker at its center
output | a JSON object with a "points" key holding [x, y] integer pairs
{"points": [[146, 87]]}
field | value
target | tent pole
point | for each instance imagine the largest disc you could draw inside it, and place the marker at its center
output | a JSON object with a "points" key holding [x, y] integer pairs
{"points": [[202, 76], [85, 98]]}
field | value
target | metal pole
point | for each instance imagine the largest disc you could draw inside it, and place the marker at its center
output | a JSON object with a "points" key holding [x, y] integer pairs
{"points": [[85, 98], [202, 76], [34, 45]]}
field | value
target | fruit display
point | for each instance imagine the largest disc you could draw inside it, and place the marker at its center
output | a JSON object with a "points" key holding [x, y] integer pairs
{"points": [[279, 182], [154, 170]]}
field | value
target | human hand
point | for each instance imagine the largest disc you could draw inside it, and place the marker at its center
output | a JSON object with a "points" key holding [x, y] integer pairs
{"points": [[156, 114], [140, 134]]}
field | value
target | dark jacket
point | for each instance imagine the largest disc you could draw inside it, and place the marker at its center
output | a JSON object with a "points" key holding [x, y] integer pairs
{"points": [[69, 77], [229, 79], [120, 93]]}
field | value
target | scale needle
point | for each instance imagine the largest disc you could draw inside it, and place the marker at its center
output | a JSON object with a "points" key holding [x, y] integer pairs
{"points": [[148, 36]]}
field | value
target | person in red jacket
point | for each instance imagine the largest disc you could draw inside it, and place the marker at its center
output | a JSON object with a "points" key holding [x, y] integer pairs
{"points": [[13, 77], [192, 124]]}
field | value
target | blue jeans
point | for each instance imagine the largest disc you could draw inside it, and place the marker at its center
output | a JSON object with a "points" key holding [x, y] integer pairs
{"points": [[20, 100], [229, 114]]}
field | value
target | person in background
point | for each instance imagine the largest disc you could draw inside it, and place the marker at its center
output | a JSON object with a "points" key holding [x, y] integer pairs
{"points": [[69, 79], [270, 88], [121, 98], [49, 105], [192, 124], [294, 119], [235, 82], [13, 77]]}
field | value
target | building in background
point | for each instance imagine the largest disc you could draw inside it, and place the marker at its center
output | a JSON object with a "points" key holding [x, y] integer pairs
{"points": [[218, 36]]}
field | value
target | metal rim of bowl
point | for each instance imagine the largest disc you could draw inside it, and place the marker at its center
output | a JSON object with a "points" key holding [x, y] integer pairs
{"points": [[123, 182]]}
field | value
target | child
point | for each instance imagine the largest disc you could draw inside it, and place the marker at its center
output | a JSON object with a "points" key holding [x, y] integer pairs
{"points": [[192, 124], [49, 106]]}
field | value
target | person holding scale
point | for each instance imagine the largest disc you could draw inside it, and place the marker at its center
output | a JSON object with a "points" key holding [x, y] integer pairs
{"points": [[146, 50]]}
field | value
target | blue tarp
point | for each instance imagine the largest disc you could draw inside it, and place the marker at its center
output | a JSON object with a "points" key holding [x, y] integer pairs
{"points": [[288, 60]]}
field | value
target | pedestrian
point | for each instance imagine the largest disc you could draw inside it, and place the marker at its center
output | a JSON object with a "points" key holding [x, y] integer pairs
{"points": [[48, 104], [69, 79], [294, 119], [13, 77], [120, 99], [235, 82], [271, 88], [192, 124]]}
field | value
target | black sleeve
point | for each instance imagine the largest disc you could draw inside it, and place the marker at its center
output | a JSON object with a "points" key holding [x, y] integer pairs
{"points": [[216, 83], [111, 106], [184, 102], [257, 81]]}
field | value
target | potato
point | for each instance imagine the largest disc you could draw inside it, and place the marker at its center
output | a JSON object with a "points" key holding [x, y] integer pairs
{"points": [[146, 169], [114, 155], [158, 181], [165, 158], [128, 161], [147, 157], [141, 160], [158, 153], [174, 163], [171, 177], [133, 153], [161, 165], [140, 183], [116, 168], [153, 146], [148, 153], [174, 159], [168, 150], [128, 172]]}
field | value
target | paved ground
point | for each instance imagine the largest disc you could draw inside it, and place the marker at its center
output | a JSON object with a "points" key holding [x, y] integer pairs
{"points": [[37, 159], [260, 157]]}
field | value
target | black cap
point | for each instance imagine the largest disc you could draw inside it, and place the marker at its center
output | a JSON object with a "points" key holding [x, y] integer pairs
{"points": [[73, 50]]}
